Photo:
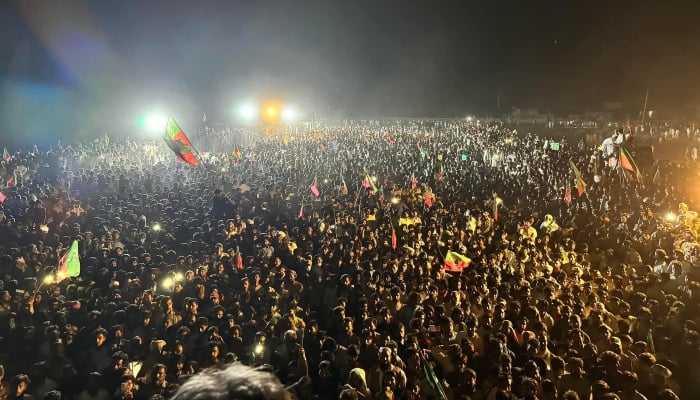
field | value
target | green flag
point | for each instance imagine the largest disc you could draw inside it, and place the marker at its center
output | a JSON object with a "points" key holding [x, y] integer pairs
{"points": [[69, 265], [432, 378]]}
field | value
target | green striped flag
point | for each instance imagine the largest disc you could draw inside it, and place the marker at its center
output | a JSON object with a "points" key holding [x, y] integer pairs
{"points": [[432, 378], [627, 163]]}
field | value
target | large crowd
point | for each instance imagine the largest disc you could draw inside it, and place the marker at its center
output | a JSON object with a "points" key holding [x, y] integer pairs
{"points": [[319, 256]]}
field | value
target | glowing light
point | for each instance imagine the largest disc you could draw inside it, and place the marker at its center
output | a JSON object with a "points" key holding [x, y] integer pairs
{"points": [[155, 122], [156, 227], [258, 348], [167, 283], [670, 217], [271, 112], [288, 114], [223, 169], [248, 112], [470, 119], [395, 200], [49, 279], [44, 228], [179, 277]]}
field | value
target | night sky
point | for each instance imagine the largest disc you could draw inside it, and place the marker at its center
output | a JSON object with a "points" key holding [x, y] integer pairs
{"points": [[91, 65]]}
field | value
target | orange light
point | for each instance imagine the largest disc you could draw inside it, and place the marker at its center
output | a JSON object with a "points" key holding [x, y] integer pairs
{"points": [[271, 112]]}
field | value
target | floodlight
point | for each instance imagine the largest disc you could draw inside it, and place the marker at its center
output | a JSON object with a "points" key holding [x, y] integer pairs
{"points": [[271, 112], [288, 114], [248, 112], [155, 122]]}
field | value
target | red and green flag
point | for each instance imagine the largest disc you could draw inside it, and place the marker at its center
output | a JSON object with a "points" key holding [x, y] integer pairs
{"points": [[236, 154], [580, 183], [6, 155], [179, 143], [455, 262], [627, 163]]}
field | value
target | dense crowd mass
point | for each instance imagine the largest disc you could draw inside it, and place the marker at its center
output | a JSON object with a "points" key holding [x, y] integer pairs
{"points": [[343, 295]]}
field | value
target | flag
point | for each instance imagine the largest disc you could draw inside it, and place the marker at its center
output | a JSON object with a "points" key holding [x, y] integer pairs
{"points": [[301, 212], [394, 240], [2, 197], [11, 181], [366, 183], [236, 154], [69, 264], [6, 155], [627, 163], [414, 182], [650, 342], [429, 199], [495, 208], [580, 183], [239, 258], [371, 184], [455, 262], [567, 193], [179, 143], [432, 378], [314, 189]]}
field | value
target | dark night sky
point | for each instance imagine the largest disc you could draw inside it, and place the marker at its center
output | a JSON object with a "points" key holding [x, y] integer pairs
{"points": [[92, 62]]}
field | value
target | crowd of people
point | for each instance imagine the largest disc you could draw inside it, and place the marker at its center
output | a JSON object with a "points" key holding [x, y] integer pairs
{"points": [[319, 257]]}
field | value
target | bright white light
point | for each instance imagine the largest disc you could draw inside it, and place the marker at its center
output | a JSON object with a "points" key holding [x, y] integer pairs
{"points": [[248, 111], [288, 114], [156, 227], [179, 277], [670, 217], [470, 119], [156, 122], [167, 283], [395, 200]]}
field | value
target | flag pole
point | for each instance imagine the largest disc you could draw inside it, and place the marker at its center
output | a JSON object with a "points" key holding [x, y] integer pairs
{"points": [[644, 111]]}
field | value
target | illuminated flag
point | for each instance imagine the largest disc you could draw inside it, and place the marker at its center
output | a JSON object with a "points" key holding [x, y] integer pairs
{"points": [[627, 163], [495, 208], [6, 155], [69, 264], [567, 193], [179, 143], [580, 183], [314, 189], [394, 240], [2, 197], [455, 262]]}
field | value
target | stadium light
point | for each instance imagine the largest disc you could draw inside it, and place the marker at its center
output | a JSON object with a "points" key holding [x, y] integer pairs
{"points": [[155, 123], [288, 114], [248, 112], [271, 112]]}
